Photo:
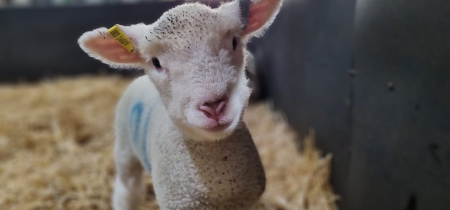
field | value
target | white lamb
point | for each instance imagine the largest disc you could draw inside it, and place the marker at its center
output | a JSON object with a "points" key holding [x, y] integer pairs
{"points": [[182, 121]]}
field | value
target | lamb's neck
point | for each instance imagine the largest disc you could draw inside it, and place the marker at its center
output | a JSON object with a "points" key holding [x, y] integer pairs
{"points": [[214, 148]]}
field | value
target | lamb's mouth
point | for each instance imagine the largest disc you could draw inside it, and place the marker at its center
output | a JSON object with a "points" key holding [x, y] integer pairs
{"points": [[219, 127]]}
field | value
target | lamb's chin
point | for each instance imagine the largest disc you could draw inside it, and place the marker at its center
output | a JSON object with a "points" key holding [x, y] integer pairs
{"points": [[206, 134]]}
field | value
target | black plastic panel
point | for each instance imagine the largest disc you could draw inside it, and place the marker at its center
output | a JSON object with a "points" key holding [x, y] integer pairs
{"points": [[401, 130]]}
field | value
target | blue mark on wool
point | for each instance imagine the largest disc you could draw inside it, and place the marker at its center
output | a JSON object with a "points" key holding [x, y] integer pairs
{"points": [[136, 113], [144, 141], [135, 123]]}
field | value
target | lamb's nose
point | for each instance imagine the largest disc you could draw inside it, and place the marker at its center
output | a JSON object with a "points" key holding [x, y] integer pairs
{"points": [[213, 109]]}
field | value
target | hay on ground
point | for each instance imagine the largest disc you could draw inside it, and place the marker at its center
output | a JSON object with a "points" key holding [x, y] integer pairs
{"points": [[56, 140]]}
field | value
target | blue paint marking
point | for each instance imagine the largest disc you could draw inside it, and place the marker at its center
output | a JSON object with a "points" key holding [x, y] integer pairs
{"points": [[135, 123], [144, 141], [136, 113]]}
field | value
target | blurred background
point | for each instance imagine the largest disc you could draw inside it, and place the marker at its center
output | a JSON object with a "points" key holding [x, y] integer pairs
{"points": [[372, 77]]}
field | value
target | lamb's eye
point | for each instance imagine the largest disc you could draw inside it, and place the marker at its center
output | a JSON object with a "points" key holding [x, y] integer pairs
{"points": [[234, 43], [156, 63]]}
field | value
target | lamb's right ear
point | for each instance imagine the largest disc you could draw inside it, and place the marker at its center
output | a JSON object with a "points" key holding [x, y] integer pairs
{"points": [[100, 45]]}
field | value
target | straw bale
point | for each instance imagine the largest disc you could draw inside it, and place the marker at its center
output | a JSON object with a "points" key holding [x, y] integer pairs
{"points": [[56, 140]]}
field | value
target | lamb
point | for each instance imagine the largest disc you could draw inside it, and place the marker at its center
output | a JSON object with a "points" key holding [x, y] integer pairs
{"points": [[182, 120]]}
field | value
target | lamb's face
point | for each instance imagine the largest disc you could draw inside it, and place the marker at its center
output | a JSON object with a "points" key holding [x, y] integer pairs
{"points": [[195, 56], [199, 70]]}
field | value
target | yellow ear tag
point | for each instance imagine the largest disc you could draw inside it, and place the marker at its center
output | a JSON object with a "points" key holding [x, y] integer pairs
{"points": [[121, 38]]}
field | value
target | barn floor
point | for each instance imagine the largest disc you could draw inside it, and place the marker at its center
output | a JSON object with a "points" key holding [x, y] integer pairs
{"points": [[56, 141]]}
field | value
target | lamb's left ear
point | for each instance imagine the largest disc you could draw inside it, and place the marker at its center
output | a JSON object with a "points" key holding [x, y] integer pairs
{"points": [[100, 45], [261, 15]]}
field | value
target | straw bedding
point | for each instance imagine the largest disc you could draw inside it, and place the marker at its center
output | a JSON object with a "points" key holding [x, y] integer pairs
{"points": [[56, 141]]}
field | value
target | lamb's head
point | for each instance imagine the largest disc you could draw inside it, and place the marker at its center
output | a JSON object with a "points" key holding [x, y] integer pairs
{"points": [[195, 56]]}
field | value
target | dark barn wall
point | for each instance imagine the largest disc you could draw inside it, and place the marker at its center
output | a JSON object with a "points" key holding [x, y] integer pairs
{"points": [[401, 136], [39, 42], [305, 58], [381, 106]]}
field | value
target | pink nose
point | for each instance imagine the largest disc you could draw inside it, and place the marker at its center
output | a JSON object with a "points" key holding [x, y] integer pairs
{"points": [[213, 109]]}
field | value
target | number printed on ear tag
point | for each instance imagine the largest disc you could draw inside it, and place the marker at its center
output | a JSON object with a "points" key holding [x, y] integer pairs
{"points": [[121, 38]]}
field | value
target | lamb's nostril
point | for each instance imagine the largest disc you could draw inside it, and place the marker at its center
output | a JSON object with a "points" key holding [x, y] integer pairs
{"points": [[209, 112], [220, 107], [213, 109]]}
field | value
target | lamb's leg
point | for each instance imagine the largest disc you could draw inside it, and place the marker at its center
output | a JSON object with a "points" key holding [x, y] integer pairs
{"points": [[128, 186]]}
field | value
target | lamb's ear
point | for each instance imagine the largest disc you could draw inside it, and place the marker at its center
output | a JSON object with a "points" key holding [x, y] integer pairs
{"points": [[100, 45], [261, 15]]}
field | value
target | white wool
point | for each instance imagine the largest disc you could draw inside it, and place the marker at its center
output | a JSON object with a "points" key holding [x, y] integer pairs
{"points": [[159, 124]]}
